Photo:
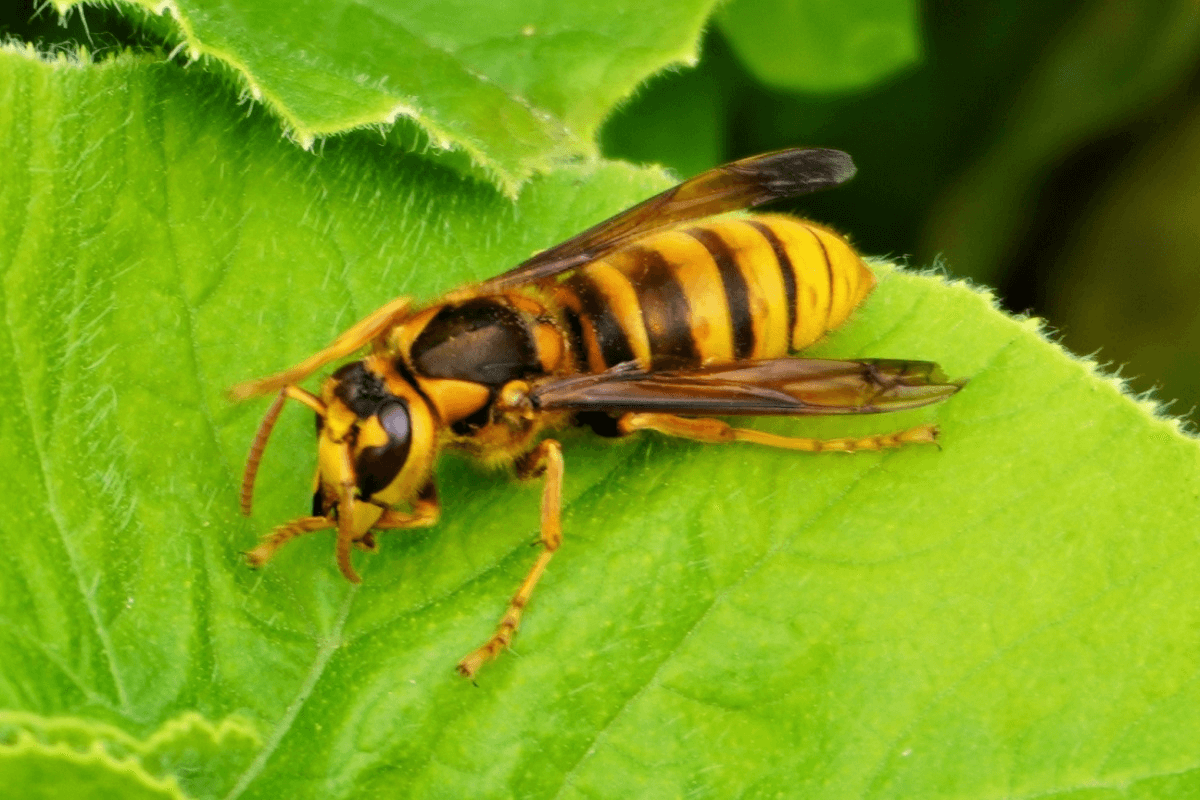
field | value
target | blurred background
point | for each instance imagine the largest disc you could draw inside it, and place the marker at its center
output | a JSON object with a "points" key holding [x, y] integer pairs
{"points": [[1047, 148]]}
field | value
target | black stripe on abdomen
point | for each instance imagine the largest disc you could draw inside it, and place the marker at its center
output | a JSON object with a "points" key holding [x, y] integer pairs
{"points": [[575, 336], [785, 269], [829, 273], [614, 344], [665, 310], [737, 292]]}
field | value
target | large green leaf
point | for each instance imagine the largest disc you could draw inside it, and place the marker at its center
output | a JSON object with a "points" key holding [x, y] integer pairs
{"points": [[515, 87], [823, 45], [1014, 614]]}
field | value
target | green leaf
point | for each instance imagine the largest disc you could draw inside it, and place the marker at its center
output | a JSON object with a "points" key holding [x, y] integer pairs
{"points": [[1013, 614], [515, 88], [82, 758], [823, 45]]}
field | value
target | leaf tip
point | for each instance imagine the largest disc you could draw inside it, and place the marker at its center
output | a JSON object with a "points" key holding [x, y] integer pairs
{"points": [[1104, 374]]}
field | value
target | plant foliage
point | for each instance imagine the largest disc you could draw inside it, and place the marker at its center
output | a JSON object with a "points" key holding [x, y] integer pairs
{"points": [[1011, 614]]}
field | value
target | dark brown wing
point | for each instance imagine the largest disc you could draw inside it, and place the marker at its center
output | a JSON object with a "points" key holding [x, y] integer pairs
{"points": [[741, 184], [780, 386]]}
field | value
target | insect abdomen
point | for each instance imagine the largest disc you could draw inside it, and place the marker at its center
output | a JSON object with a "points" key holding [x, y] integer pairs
{"points": [[727, 290]]}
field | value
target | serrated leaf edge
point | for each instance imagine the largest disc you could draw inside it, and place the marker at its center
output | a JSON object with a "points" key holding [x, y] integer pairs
{"points": [[509, 181], [95, 756], [175, 727], [1103, 374]]}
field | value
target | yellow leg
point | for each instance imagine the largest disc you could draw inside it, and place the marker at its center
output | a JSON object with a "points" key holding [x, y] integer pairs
{"points": [[546, 459], [273, 541], [716, 431], [425, 512], [355, 337], [347, 531]]}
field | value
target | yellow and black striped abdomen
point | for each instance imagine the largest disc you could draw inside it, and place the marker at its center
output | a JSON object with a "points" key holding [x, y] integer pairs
{"points": [[727, 290]]}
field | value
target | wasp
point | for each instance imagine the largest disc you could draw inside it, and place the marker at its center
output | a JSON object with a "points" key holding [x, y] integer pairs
{"points": [[662, 318]]}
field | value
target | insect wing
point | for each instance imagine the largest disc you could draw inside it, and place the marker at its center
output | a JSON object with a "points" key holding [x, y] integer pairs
{"points": [[779, 387], [741, 184]]}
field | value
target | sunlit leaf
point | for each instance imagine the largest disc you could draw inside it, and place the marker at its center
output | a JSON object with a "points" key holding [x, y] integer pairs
{"points": [[507, 88], [1013, 614]]}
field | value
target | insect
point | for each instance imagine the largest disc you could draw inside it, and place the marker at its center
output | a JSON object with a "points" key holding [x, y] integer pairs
{"points": [[660, 318]]}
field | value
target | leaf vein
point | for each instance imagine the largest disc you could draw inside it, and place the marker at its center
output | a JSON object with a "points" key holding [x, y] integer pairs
{"points": [[56, 515], [324, 654], [719, 596], [1067, 615]]}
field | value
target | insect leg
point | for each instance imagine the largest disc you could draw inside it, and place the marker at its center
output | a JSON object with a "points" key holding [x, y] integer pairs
{"points": [[547, 460], [426, 510], [273, 541], [716, 431], [352, 339]]}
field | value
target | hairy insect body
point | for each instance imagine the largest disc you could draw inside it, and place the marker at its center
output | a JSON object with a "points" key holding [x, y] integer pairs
{"points": [[660, 318], [730, 290], [733, 289], [467, 352]]}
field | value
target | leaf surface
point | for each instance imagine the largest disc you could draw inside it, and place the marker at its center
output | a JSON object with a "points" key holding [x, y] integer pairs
{"points": [[823, 45], [1014, 614], [503, 89]]}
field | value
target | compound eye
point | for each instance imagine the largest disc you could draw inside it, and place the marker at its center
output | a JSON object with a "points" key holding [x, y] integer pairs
{"points": [[376, 467], [393, 416]]}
